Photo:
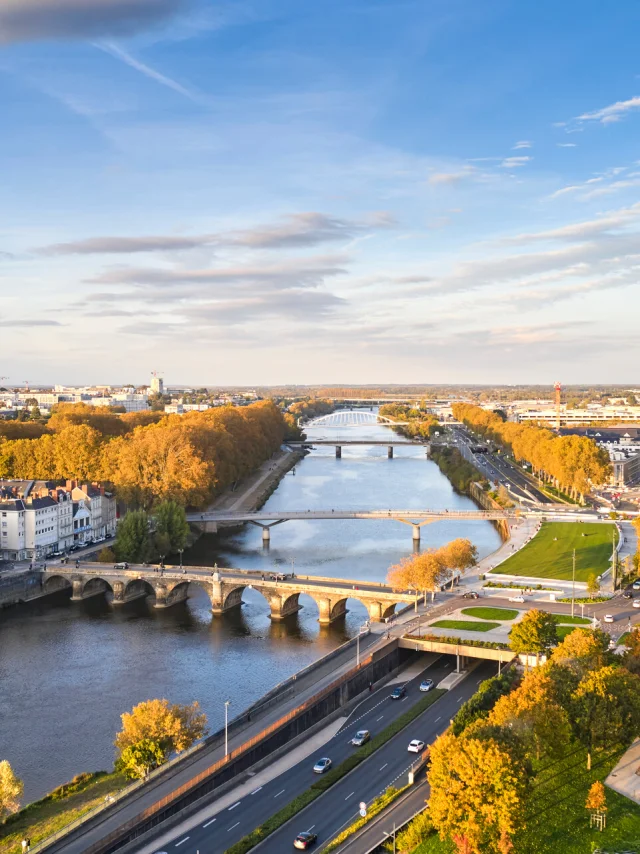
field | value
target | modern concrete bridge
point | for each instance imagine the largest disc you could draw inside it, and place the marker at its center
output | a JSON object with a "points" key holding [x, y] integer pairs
{"points": [[266, 519], [338, 444], [224, 588]]}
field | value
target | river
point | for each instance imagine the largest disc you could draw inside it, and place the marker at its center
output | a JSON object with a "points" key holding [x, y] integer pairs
{"points": [[69, 670]]}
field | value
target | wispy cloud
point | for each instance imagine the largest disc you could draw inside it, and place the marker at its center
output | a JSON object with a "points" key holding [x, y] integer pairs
{"points": [[444, 178], [516, 162], [611, 113], [524, 143], [148, 71], [566, 144]]}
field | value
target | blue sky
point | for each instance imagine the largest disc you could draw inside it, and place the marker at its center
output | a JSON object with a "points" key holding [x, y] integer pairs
{"points": [[358, 191]]}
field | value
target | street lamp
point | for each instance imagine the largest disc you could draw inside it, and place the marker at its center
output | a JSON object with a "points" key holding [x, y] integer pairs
{"points": [[360, 632], [180, 551], [227, 703]]}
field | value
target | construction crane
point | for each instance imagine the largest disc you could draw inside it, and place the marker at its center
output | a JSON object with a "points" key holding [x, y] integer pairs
{"points": [[26, 384], [558, 389]]}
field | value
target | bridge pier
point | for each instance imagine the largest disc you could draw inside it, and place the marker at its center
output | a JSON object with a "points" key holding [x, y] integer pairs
{"points": [[390, 452], [266, 536], [282, 606], [77, 585], [416, 534], [338, 452]]}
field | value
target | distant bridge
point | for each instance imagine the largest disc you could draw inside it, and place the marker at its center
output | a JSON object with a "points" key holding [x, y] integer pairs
{"points": [[224, 588], [348, 418], [267, 519], [338, 444]]}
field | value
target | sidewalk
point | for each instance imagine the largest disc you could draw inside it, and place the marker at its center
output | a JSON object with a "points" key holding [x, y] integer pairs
{"points": [[247, 495]]}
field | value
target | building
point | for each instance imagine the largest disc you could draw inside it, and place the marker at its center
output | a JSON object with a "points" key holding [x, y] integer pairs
{"points": [[623, 446], [592, 413], [94, 514], [174, 408], [157, 384], [625, 465]]}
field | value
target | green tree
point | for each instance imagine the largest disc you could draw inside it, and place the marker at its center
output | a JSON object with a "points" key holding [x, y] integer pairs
{"points": [[138, 759], [593, 585], [11, 789], [171, 521], [106, 555], [535, 634], [132, 538], [607, 708]]}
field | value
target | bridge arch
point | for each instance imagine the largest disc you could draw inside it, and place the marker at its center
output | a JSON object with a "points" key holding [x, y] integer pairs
{"points": [[53, 583], [331, 608], [136, 588], [94, 587], [347, 418]]}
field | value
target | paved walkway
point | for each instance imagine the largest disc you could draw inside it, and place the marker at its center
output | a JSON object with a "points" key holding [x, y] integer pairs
{"points": [[624, 777], [248, 491]]}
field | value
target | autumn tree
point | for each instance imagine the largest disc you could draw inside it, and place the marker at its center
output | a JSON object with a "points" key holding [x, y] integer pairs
{"points": [[11, 789], [607, 708], [533, 714], [459, 554], [137, 760], [593, 585], [596, 799], [582, 650], [535, 634], [171, 728], [133, 540], [421, 572], [106, 555], [478, 786]]}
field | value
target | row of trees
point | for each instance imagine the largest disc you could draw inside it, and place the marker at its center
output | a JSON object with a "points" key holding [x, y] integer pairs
{"points": [[421, 424], [186, 458], [304, 409], [429, 570], [572, 463], [143, 537], [483, 769]]}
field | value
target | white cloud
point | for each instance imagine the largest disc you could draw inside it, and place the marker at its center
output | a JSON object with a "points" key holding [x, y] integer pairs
{"points": [[147, 71], [524, 143], [515, 162], [611, 113], [566, 144], [438, 178]]}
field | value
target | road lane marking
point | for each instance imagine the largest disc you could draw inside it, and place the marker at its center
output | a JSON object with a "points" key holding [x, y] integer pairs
{"points": [[184, 840], [348, 796], [460, 699], [279, 793], [209, 822], [384, 766], [237, 804], [311, 828], [379, 719], [438, 719], [232, 826], [255, 791]]}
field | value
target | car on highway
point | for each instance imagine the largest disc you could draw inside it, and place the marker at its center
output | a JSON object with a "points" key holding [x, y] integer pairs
{"points": [[609, 618], [426, 685], [471, 594], [304, 840], [516, 598], [322, 765], [361, 737], [636, 603], [399, 692], [416, 746]]}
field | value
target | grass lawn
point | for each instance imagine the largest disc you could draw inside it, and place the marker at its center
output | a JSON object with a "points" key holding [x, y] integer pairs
{"points": [[42, 818], [491, 613], [549, 553], [564, 620], [465, 625], [557, 822]]}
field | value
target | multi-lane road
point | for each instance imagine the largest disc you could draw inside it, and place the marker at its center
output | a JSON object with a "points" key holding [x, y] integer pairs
{"points": [[215, 829]]}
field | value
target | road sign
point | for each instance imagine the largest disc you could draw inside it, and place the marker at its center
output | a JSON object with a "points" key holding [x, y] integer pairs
{"points": [[363, 809]]}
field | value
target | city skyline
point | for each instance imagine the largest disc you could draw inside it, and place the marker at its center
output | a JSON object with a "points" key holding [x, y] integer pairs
{"points": [[262, 193]]}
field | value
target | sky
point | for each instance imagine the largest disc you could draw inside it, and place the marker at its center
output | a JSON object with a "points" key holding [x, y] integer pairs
{"points": [[338, 191]]}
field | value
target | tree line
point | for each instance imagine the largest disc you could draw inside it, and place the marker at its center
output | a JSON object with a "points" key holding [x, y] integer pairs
{"points": [[573, 464], [311, 408], [421, 424], [149, 457], [428, 571], [484, 770]]}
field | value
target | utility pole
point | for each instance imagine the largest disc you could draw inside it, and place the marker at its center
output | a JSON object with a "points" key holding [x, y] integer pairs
{"points": [[614, 562], [573, 583]]}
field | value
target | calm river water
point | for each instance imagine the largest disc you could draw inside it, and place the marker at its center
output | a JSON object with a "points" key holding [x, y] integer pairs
{"points": [[68, 670]]}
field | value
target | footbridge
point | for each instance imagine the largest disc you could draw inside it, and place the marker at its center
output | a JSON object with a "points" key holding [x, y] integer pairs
{"points": [[224, 587], [267, 519]]}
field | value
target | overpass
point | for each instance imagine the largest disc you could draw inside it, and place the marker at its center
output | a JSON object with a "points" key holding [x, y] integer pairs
{"points": [[224, 588], [267, 519]]}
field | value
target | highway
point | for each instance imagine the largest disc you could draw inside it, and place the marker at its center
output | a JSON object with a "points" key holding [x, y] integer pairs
{"points": [[216, 830]]}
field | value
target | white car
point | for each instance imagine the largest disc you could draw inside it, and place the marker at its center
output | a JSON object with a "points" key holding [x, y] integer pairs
{"points": [[416, 746], [636, 585], [516, 598], [608, 618], [636, 603]]}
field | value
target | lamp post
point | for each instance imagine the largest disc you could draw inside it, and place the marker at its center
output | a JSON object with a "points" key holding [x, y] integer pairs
{"points": [[180, 551], [227, 703], [573, 583]]}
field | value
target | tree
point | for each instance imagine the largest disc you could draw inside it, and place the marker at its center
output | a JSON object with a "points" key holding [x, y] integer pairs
{"points": [[106, 555], [477, 792], [596, 799], [11, 789], [173, 727], [593, 585], [138, 759], [582, 651], [132, 537], [171, 520], [534, 634], [607, 708], [459, 554], [421, 572], [532, 713]]}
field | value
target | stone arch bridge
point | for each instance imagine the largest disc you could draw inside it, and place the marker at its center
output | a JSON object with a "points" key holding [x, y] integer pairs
{"points": [[224, 588]]}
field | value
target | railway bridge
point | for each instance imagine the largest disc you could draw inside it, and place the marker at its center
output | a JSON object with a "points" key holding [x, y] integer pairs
{"points": [[224, 588]]}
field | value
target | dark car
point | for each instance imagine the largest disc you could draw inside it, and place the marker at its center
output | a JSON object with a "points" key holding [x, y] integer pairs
{"points": [[304, 840], [399, 692], [470, 595], [628, 594]]}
